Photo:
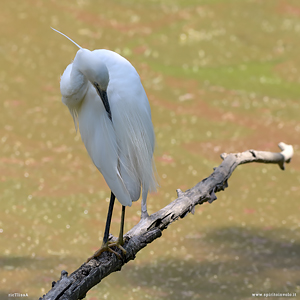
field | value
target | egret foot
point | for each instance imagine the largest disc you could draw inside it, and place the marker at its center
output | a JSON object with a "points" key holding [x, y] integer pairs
{"points": [[120, 244], [107, 247]]}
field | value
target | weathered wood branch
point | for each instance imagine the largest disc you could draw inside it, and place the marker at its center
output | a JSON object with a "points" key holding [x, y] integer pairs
{"points": [[147, 230]]}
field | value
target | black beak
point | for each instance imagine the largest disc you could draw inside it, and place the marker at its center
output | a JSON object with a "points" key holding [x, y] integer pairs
{"points": [[103, 95]]}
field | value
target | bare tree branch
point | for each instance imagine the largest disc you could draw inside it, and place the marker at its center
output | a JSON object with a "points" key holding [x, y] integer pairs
{"points": [[147, 230]]}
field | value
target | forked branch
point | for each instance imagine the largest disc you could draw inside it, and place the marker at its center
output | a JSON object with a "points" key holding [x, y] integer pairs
{"points": [[147, 230]]}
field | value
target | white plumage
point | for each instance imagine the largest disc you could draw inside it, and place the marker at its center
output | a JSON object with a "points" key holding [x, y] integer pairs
{"points": [[106, 99], [121, 148]]}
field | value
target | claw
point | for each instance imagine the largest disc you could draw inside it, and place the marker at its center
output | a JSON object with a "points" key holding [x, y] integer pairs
{"points": [[121, 248], [107, 247]]}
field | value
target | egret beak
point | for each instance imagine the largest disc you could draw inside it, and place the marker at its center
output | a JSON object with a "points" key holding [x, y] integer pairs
{"points": [[103, 95]]}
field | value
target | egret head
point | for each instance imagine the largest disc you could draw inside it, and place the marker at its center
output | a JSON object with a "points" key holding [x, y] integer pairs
{"points": [[92, 67], [95, 70]]}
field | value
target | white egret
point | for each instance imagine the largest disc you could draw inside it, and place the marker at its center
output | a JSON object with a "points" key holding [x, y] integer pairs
{"points": [[106, 98]]}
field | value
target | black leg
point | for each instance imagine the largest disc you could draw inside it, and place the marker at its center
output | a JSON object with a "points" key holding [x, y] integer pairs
{"points": [[109, 215], [122, 226], [106, 246]]}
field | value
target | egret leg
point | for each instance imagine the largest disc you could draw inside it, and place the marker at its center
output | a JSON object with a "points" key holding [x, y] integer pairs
{"points": [[106, 245], [144, 213], [108, 219], [120, 242]]}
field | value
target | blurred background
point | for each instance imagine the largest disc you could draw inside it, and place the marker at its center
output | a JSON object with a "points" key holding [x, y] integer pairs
{"points": [[221, 76]]}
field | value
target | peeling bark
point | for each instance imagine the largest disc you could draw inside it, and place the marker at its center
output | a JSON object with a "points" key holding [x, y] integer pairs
{"points": [[147, 230]]}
